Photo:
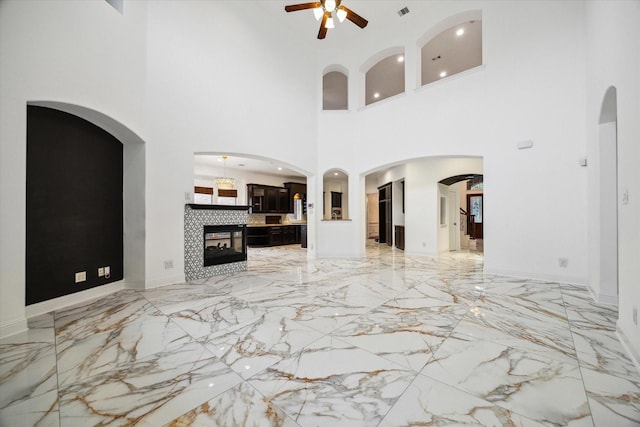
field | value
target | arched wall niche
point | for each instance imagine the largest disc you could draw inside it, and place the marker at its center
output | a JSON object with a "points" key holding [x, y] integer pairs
{"points": [[335, 195], [335, 91], [386, 66], [437, 36], [609, 110], [134, 186]]}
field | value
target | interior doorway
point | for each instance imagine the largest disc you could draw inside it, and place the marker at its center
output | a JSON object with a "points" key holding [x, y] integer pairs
{"points": [[608, 199], [385, 217], [373, 223], [475, 216]]}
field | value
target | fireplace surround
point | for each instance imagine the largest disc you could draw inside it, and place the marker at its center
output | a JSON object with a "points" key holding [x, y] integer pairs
{"points": [[217, 221]]}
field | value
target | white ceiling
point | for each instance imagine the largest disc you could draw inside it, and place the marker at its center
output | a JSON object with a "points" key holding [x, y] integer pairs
{"points": [[245, 164]]}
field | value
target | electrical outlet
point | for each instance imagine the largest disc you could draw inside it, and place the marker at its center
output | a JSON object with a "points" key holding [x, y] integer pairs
{"points": [[168, 264], [100, 272], [563, 262], [81, 276], [107, 271]]}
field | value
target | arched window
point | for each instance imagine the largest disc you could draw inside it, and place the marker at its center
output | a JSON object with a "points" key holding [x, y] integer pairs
{"points": [[335, 91], [385, 79], [456, 49]]}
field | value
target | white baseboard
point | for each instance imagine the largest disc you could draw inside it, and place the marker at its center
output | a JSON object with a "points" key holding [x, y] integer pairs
{"points": [[608, 299], [164, 281], [14, 327], [578, 281], [634, 354], [78, 297]]}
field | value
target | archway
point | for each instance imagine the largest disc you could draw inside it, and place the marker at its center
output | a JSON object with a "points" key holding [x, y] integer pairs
{"points": [[421, 203], [134, 186], [607, 274]]}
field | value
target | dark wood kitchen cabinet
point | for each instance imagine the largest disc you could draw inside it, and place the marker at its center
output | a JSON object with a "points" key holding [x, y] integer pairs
{"points": [[301, 191], [275, 235], [267, 199]]}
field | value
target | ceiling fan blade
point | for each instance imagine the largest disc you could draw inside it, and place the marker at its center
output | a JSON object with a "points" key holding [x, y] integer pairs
{"points": [[323, 30], [354, 17], [302, 6]]}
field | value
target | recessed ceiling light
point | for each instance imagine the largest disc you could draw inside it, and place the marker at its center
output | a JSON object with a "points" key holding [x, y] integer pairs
{"points": [[335, 173], [279, 168], [400, 58], [443, 74], [376, 95], [460, 32]]}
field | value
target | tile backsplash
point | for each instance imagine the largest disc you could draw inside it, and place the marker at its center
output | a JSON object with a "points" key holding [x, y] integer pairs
{"points": [[257, 219]]}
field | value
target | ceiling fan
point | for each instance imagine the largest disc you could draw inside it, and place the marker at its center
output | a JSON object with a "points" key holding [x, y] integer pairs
{"points": [[325, 9]]}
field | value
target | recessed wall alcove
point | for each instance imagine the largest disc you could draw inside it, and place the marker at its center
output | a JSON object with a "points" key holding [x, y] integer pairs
{"points": [[335, 195], [88, 176]]}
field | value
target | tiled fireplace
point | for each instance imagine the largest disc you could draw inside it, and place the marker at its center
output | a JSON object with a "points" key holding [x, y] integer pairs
{"points": [[214, 240]]}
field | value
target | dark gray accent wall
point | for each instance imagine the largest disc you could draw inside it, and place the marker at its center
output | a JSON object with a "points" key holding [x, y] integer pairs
{"points": [[74, 204]]}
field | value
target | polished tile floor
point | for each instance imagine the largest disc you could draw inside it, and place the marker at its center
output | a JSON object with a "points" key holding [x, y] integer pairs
{"points": [[387, 340]]}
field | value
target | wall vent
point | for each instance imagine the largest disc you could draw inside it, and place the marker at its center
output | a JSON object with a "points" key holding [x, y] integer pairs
{"points": [[403, 11]]}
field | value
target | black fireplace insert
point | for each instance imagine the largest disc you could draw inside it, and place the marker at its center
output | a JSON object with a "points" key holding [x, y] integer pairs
{"points": [[224, 244]]}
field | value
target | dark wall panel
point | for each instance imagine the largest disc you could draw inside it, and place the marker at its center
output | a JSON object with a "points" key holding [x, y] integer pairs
{"points": [[74, 204]]}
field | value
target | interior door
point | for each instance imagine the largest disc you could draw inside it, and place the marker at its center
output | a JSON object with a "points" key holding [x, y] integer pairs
{"points": [[476, 215]]}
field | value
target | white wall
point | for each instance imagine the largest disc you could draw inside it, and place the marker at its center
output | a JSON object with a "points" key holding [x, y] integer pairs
{"points": [[179, 74], [78, 53], [213, 86], [484, 112], [613, 59]]}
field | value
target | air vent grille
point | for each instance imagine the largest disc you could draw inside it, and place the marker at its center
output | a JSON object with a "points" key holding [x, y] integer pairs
{"points": [[403, 11]]}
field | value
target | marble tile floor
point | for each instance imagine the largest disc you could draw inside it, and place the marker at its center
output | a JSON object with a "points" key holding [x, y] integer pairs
{"points": [[386, 340]]}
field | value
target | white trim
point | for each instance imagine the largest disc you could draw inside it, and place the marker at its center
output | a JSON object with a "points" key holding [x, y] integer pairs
{"points": [[134, 285], [635, 357], [608, 299], [13, 328], [578, 281], [452, 77], [75, 298], [164, 281]]}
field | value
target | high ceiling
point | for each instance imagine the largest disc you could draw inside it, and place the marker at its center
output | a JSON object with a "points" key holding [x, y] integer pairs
{"points": [[384, 18]]}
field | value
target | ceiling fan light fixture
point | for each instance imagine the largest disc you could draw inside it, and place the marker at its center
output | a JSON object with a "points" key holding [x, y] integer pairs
{"points": [[330, 5], [318, 12], [341, 14], [329, 23]]}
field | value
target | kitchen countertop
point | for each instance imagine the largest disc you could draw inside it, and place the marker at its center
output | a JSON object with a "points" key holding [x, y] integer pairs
{"points": [[275, 225]]}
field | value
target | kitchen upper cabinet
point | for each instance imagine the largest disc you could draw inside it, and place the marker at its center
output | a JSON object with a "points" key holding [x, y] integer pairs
{"points": [[267, 199], [296, 188]]}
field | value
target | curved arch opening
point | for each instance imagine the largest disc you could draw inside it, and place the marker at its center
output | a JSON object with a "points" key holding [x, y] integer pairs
{"points": [[133, 191], [605, 278], [335, 195], [452, 46], [335, 91], [384, 75], [422, 200]]}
